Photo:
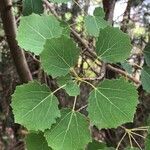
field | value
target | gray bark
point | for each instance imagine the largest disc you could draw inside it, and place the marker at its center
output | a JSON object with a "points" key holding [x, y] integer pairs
{"points": [[9, 25]]}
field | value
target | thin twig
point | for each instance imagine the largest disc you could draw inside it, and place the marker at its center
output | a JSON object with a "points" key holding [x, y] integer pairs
{"points": [[138, 135], [83, 42], [89, 50], [118, 145], [82, 108], [119, 71], [136, 142]]}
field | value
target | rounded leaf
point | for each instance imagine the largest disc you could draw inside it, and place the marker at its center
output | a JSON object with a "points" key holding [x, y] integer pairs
{"points": [[59, 55], [36, 141], [99, 12], [32, 6], [34, 106], [93, 24], [113, 45], [34, 30], [112, 103], [71, 132]]}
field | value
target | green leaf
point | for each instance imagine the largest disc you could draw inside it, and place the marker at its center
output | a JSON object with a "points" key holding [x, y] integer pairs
{"points": [[147, 54], [93, 24], [147, 142], [34, 30], [99, 12], [133, 148], [113, 45], [71, 87], [59, 55], [108, 148], [36, 141], [145, 78], [66, 32], [32, 6], [71, 132], [34, 106], [147, 121], [59, 1], [66, 29], [127, 67], [95, 145], [112, 103]]}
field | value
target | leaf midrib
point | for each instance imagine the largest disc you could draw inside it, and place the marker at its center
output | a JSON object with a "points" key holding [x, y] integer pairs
{"points": [[112, 103], [37, 105]]}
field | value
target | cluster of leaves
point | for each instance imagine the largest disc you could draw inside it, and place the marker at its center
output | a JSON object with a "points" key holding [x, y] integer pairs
{"points": [[110, 104]]}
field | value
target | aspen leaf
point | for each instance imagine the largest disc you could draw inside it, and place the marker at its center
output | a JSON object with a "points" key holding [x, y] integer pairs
{"points": [[71, 132], [59, 55], [113, 45], [34, 106], [35, 29], [112, 103]]}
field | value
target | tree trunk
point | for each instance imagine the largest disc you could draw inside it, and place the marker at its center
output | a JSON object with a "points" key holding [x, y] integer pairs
{"points": [[126, 17], [9, 25], [109, 6]]}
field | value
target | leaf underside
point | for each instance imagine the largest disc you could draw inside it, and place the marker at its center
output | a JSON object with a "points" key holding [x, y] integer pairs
{"points": [[93, 24]]}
